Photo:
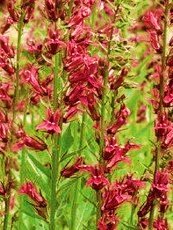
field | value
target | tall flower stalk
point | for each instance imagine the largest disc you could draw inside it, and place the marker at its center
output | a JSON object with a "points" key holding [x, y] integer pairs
{"points": [[158, 151], [55, 149], [15, 100]]}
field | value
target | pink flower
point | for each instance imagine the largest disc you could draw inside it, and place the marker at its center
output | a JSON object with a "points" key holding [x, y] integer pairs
{"points": [[30, 190], [50, 125]]}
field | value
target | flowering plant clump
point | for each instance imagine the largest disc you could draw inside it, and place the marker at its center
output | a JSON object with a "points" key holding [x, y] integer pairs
{"points": [[86, 127]]}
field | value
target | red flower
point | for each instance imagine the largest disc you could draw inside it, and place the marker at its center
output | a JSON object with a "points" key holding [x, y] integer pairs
{"points": [[119, 192], [151, 19], [154, 39], [160, 184], [50, 125], [71, 112], [4, 94], [164, 130], [71, 170], [115, 83], [28, 7], [2, 189], [97, 180], [114, 154], [12, 11], [79, 15], [25, 140], [30, 189], [53, 43], [4, 44], [121, 117], [108, 221], [161, 224], [158, 191], [33, 47], [51, 10], [4, 127], [6, 53]]}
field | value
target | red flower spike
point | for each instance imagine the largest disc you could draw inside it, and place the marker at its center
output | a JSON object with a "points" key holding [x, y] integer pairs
{"points": [[30, 190], [71, 170], [50, 125]]}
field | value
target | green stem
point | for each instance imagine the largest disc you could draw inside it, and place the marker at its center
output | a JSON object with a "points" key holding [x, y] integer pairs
{"points": [[55, 151], [22, 170], [78, 182]]}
